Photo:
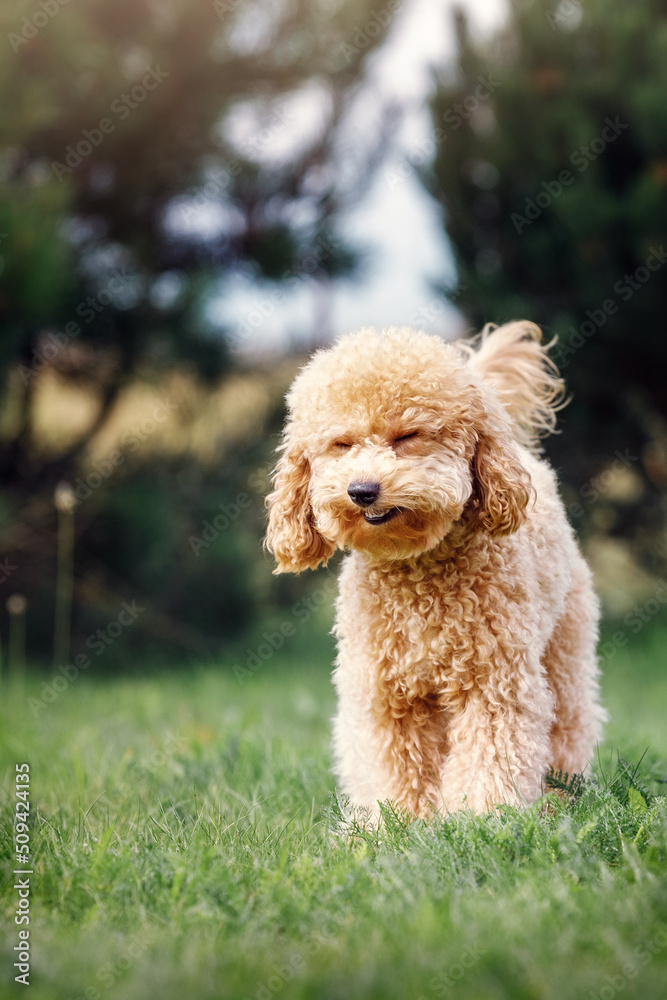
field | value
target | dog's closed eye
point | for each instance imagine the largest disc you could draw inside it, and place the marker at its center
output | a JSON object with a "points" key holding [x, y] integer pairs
{"points": [[342, 445], [405, 437]]}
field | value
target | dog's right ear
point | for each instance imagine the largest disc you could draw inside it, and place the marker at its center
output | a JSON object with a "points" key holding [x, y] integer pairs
{"points": [[291, 535]]}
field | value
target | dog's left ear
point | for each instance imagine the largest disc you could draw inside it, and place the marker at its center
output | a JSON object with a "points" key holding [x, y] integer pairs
{"points": [[291, 535], [502, 486]]}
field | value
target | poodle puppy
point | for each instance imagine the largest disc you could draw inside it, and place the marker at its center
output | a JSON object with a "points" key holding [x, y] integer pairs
{"points": [[466, 620]]}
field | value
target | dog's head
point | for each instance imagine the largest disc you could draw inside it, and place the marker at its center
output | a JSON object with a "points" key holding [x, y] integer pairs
{"points": [[391, 440]]}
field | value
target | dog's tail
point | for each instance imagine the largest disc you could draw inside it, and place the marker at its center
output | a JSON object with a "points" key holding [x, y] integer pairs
{"points": [[516, 362]]}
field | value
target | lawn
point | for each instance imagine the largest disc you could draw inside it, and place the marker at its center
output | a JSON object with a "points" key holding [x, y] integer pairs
{"points": [[187, 844]]}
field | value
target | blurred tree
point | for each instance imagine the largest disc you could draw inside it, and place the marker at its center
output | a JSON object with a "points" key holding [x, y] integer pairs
{"points": [[141, 161], [150, 151], [551, 168]]}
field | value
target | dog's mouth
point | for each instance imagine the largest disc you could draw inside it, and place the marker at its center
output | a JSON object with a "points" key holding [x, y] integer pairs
{"points": [[388, 515]]}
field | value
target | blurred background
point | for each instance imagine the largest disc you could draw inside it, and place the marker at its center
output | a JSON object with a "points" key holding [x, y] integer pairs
{"points": [[194, 194]]}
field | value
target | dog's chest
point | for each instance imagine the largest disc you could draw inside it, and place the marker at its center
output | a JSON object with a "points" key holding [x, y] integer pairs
{"points": [[418, 621]]}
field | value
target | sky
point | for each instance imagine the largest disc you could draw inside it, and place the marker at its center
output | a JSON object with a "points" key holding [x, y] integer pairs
{"points": [[396, 219]]}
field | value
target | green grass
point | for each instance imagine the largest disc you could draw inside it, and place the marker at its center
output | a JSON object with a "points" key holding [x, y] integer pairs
{"points": [[187, 845]]}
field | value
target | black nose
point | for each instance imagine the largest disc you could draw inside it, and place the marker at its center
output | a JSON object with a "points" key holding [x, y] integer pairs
{"points": [[364, 494]]}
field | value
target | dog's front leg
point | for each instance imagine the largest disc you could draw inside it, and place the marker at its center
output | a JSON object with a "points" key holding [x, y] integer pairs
{"points": [[498, 745]]}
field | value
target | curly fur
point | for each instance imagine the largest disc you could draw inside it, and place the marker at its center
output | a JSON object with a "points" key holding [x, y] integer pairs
{"points": [[466, 623]]}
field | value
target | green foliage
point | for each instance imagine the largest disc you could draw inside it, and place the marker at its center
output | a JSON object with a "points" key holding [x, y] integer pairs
{"points": [[571, 786], [186, 543], [36, 267], [119, 130], [187, 839], [554, 213], [470, 851]]}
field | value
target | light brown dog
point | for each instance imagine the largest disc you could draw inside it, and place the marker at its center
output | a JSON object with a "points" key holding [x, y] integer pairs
{"points": [[466, 619]]}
